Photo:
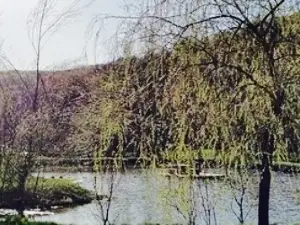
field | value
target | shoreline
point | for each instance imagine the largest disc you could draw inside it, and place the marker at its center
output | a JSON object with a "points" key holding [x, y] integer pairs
{"points": [[284, 167]]}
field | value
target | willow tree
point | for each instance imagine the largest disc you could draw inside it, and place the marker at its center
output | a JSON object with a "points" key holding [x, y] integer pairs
{"points": [[245, 55]]}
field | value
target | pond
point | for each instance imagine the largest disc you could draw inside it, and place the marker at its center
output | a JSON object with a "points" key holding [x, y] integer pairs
{"points": [[147, 196]]}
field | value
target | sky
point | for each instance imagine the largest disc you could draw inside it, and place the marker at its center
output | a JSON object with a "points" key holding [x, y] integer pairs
{"points": [[70, 45]]}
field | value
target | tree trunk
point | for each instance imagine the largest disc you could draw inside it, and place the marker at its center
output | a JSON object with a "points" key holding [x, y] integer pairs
{"points": [[21, 192], [267, 149], [264, 192], [22, 178]]}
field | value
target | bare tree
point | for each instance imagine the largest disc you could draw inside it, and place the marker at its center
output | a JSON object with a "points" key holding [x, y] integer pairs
{"points": [[109, 182], [241, 183], [26, 123]]}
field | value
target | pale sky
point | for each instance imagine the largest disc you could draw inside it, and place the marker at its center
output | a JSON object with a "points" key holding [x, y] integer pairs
{"points": [[65, 46]]}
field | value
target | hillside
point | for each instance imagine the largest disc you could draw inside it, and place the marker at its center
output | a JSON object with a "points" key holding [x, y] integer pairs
{"points": [[160, 106]]}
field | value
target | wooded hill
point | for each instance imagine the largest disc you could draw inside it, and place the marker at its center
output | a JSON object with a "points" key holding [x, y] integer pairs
{"points": [[219, 92]]}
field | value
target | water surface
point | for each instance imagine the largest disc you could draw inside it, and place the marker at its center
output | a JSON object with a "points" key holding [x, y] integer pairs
{"points": [[140, 197]]}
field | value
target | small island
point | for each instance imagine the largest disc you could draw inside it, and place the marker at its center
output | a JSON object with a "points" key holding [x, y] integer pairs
{"points": [[46, 194]]}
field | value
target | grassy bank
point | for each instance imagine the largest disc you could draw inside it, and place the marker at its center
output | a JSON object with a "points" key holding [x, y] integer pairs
{"points": [[45, 193], [17, 220], [27, 223]]}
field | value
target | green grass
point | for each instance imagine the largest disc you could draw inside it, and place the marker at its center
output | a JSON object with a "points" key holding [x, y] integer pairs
{"points": [[52, 186], [18, 220], [56, 191], [27, 223], [291, 164], [49, 185], [286, 166]]}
